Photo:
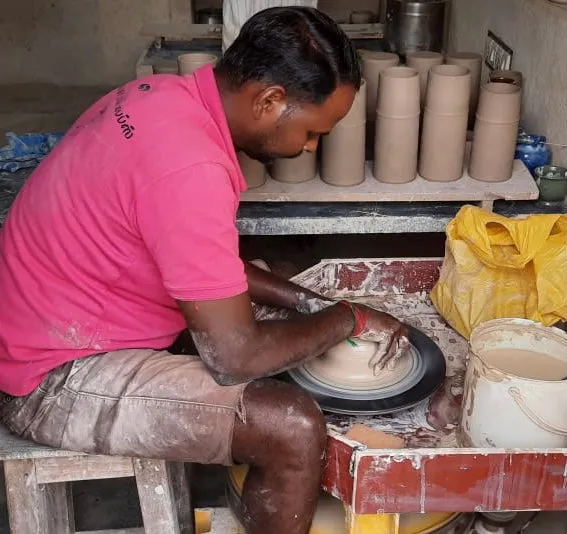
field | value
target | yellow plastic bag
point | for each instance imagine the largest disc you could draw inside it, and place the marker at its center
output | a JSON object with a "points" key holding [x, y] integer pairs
{"points": [[497, 267]]}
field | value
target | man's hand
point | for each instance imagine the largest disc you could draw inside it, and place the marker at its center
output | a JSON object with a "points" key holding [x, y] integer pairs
{"points": [[391, 335]]}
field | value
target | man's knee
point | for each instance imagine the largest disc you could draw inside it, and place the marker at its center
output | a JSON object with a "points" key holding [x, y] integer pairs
{"points": [[283, 418]]}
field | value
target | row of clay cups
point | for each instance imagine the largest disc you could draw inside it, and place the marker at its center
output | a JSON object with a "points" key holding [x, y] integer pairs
{"points": [[373, 63]]}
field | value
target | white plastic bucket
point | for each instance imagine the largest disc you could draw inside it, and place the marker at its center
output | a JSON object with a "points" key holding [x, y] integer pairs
{"points": [[501, 409]]}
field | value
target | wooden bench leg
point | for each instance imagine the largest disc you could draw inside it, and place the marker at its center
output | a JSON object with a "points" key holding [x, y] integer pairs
{"points": [[182, 494], [36, 508], [157, 500]]}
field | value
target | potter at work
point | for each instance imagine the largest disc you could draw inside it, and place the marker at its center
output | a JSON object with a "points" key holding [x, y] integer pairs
{"points": [[125, 236]]}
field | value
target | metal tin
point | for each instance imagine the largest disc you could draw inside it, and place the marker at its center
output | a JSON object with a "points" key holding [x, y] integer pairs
{"points": [[415, 25]]}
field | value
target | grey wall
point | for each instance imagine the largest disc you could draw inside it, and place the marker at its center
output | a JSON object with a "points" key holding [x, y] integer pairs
{"points": [[537, 32], [75, 42]]}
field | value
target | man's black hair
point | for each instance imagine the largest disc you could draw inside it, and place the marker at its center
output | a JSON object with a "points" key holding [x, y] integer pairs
{"points": [[299, 48]]}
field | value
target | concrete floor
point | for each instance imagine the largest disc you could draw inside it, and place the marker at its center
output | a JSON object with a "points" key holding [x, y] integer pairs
{"points": [[113, 503]]}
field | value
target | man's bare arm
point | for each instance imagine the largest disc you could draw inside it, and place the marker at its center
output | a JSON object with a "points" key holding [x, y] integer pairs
{"points": [[238, 349], [265, 287]]}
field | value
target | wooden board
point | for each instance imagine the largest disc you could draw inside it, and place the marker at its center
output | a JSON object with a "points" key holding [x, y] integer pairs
{"points": [[520, 187]]}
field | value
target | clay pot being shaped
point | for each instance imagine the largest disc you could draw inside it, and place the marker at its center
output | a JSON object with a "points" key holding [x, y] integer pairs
{"points": [[495, 132], [397, 126], [423, 62], [473, 62], [253, 170], [189, 63], [346, 366], [343, 149], [295, 170], [444, 134]]}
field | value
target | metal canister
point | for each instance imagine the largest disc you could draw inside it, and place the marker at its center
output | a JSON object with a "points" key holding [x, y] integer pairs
{"points": [[416, 25]]}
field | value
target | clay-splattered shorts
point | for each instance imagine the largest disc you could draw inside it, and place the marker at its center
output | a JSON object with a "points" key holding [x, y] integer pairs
{"points": [[141, 403]]}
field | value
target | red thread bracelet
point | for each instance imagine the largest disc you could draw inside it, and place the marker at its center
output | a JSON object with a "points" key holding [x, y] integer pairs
{"points": [[358, 316]]}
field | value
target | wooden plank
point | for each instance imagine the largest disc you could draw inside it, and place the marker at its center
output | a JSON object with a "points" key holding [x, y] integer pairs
{"points": [[520, 187], [182, 31], [337, 480], [182, 495], [453, 480], [29, 502], [15, 448], [50, 470], [156, 497], [60, 506]]}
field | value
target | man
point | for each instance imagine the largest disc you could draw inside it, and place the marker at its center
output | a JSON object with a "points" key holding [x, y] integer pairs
{"points": [[125, 236]]}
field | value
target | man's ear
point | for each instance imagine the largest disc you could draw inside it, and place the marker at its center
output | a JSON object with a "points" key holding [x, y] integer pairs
{"points": [[271, 102]]}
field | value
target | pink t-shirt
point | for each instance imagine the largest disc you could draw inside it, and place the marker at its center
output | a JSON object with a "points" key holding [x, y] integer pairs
{"points": [[135, 208]]}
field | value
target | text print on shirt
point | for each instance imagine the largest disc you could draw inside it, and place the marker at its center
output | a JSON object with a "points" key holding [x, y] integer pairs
{"points": [[122, 117]]}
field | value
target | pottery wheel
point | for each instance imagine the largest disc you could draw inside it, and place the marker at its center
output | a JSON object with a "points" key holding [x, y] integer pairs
{"points": [[417, 375]]}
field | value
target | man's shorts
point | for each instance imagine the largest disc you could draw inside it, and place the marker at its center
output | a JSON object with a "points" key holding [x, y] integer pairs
{"points": [[141, 403]]}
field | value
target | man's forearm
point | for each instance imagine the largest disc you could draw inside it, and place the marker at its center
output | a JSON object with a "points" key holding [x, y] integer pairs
{"points": [[274, 346], [267, 288]]}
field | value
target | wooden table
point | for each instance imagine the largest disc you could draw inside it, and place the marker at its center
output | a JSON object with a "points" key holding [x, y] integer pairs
{"points": [[432, 474]]}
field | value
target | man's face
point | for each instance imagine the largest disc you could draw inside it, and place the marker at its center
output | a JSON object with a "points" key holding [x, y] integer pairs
{"points": [[284, 129]]}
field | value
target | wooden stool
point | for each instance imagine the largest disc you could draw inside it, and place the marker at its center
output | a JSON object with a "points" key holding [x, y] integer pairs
{"points": [[39, 502]]}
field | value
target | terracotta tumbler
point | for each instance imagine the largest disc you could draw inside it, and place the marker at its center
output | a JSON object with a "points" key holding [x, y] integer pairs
{"points": [[473, 62], [343, 149], [189, 63], [514, 77], [423, 62], [397, 126], [495, 132], [295, 170], [373, 63], [253, 170], [444, 135]]}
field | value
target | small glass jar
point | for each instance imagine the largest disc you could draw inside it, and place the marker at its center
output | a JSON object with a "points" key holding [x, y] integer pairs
{"points": [[533, 151], [552, 183]]}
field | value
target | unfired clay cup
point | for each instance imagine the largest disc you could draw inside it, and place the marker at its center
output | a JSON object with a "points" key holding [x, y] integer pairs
{"points": [[396, 149], [343, 149], [500, 102], [423, 62], [473, 62], [443, 146], [373, 63], [399, 94], [188, 63], [449, 89], [493, 149], [253, 170], [295, 170], [357, 113], [514, 76]]}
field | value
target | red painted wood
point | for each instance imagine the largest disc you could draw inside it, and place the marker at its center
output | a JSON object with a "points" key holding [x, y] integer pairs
{"points": [[336, 476], [461, 482], [403, 275]]}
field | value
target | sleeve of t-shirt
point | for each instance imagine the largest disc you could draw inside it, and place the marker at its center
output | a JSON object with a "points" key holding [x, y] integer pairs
{"points": [[187, 220]]}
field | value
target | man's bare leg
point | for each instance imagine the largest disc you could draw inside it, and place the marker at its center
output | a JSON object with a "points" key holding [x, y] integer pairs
{"points": [[283, 442]]}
